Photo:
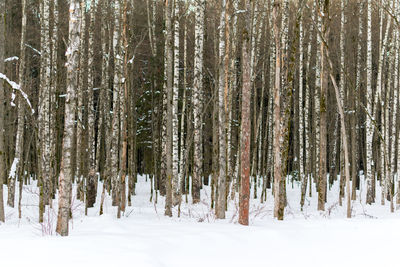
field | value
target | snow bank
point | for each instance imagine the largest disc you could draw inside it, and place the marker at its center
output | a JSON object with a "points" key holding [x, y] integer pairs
{"points": [[144, 237]]}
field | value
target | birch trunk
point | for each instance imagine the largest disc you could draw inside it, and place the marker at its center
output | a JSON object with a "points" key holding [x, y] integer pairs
{"points": [[323, 110], [343, 128], [317, 103], [358, 82], [66, 172], [91, 184], [164, 126], [169, 90], [197, 99], [115, 132], [279, 203], [182, 150], [123, 99], [395, 112], [382, 152], [80, 127], [369, 119], [176, 178], [44, 114], [342, 92], [222, 107], [104, 110], [17, 165], [54, 85], [2, 145], [301, 107]]}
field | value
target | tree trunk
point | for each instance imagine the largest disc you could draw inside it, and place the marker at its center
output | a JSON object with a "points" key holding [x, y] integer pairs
{"points": [[322, 112], [169, 87], [117, 90], [17, 165], [81, 106], [2, 145], [279, 203], [197, 99], [91, 184], [66, 172], [369, 119], [176, 178], [222, 108], [245, 123], [124, 99]]}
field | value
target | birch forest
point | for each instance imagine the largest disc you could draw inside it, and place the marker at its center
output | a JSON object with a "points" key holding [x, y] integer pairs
{"points": [[242, 107]]}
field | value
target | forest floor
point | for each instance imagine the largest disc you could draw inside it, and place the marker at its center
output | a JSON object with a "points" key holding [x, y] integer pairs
{"points": [[144, 237]]}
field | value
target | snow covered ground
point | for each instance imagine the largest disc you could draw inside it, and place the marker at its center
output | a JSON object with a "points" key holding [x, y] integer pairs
{"points": [[144, 237]]}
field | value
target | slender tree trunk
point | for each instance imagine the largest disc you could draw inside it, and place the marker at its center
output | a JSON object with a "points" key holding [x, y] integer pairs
{"points": [[169, 87], [358, 88], [44, 137], [222, 107], [115, 132], [2, 145], [369, 123], [16, 167], [176, 178], [323, 111], [124, 99], [66, 172], [81, 106], [245, 123], [182, 158], [54, 86], [302, 175], [91, 184], [317, 102], [279, 204], [105, 109], [197, 99]]}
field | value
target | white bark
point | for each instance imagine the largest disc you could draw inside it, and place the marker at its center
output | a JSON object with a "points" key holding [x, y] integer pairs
{"points": [[2, 145], [115, 128], [65, 179], [176, 180], [80, 128], [222, 107], [317, 96], [197, 98], [301, 109], [369, 119], [384, 114], [182, 159], [45, 134]]}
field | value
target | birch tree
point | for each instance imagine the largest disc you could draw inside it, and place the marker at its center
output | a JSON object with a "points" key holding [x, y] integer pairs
{"points": [[222, 108], [2, 99], [323, 108], [197, 99], [17, 164], [278, 188], [65, 177], [369, 119], [91, 184], [176, 180], [168, 89], [117, 90], [81, 106]]}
